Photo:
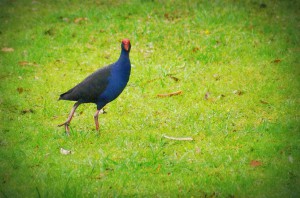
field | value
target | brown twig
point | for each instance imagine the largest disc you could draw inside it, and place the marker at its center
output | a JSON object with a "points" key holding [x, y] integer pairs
{"points": [[169, 94]]}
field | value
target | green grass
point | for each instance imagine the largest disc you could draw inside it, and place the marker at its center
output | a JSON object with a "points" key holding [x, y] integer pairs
{"points": [[245, 54]]}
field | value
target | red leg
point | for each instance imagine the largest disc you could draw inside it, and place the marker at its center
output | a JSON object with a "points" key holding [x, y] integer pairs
{"points": [[66, 124], [96, 119]]}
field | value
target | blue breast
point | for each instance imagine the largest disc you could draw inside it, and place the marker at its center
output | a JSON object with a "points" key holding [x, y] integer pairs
{"points": [[117, 81]]}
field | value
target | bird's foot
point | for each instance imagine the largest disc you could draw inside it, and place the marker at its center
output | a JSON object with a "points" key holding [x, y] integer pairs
{"points": [[63, 124], [66, 124]]}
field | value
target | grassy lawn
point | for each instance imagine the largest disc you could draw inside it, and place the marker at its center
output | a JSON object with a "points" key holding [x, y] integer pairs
{"points": [[236, 63]]}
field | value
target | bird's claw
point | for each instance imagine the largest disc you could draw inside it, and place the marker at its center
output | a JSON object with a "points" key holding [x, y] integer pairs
{"points": [[62, 124], [66, 124]]}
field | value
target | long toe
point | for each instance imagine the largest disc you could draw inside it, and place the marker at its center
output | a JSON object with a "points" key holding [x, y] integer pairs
{"points": [[67, 129], [63, 124]]}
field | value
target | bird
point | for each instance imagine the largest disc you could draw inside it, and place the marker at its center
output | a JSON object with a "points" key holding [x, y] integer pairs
{"points": [[102, 86]]}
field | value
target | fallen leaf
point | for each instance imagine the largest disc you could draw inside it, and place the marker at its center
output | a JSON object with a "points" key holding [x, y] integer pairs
{"points": [[158, 168], [276, 61], [166, 15], [216, 76], [50, 32], [238, 92], [169, 94], [101, 175], [198, 150], [221, 96], [263, 102], [26, 63], [65, 152], [195, 49], [179, 138], [173, 77], [80, 19], [7, 49], [206, 96], [255, 163], [20, 90], [23, 63], [27, 111]]}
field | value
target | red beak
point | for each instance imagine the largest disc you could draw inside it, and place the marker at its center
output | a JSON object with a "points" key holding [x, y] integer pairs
{"points": [[126, 46]]}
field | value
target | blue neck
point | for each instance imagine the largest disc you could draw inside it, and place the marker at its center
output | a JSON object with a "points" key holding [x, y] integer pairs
{"points": [[124, 54], [124, 58]]}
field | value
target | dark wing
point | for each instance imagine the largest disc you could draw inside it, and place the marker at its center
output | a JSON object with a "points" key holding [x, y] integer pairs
{"points": [[90, 88]]}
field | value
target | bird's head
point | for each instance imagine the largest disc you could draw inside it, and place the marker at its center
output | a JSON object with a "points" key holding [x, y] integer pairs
{"points": [[126, 45]]}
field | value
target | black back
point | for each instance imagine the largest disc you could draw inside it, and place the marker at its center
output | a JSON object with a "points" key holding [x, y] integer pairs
{"points": [[90, 88]]}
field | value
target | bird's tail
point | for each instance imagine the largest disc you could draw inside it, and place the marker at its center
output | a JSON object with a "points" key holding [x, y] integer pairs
{"points": [[62, 96], [69, 95]]}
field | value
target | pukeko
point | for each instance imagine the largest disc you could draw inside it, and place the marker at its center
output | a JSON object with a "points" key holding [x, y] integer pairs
{"points": [[102, 86]]}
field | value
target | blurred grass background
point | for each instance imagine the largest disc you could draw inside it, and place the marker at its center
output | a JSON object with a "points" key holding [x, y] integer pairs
{"points": [[236, 63]]}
